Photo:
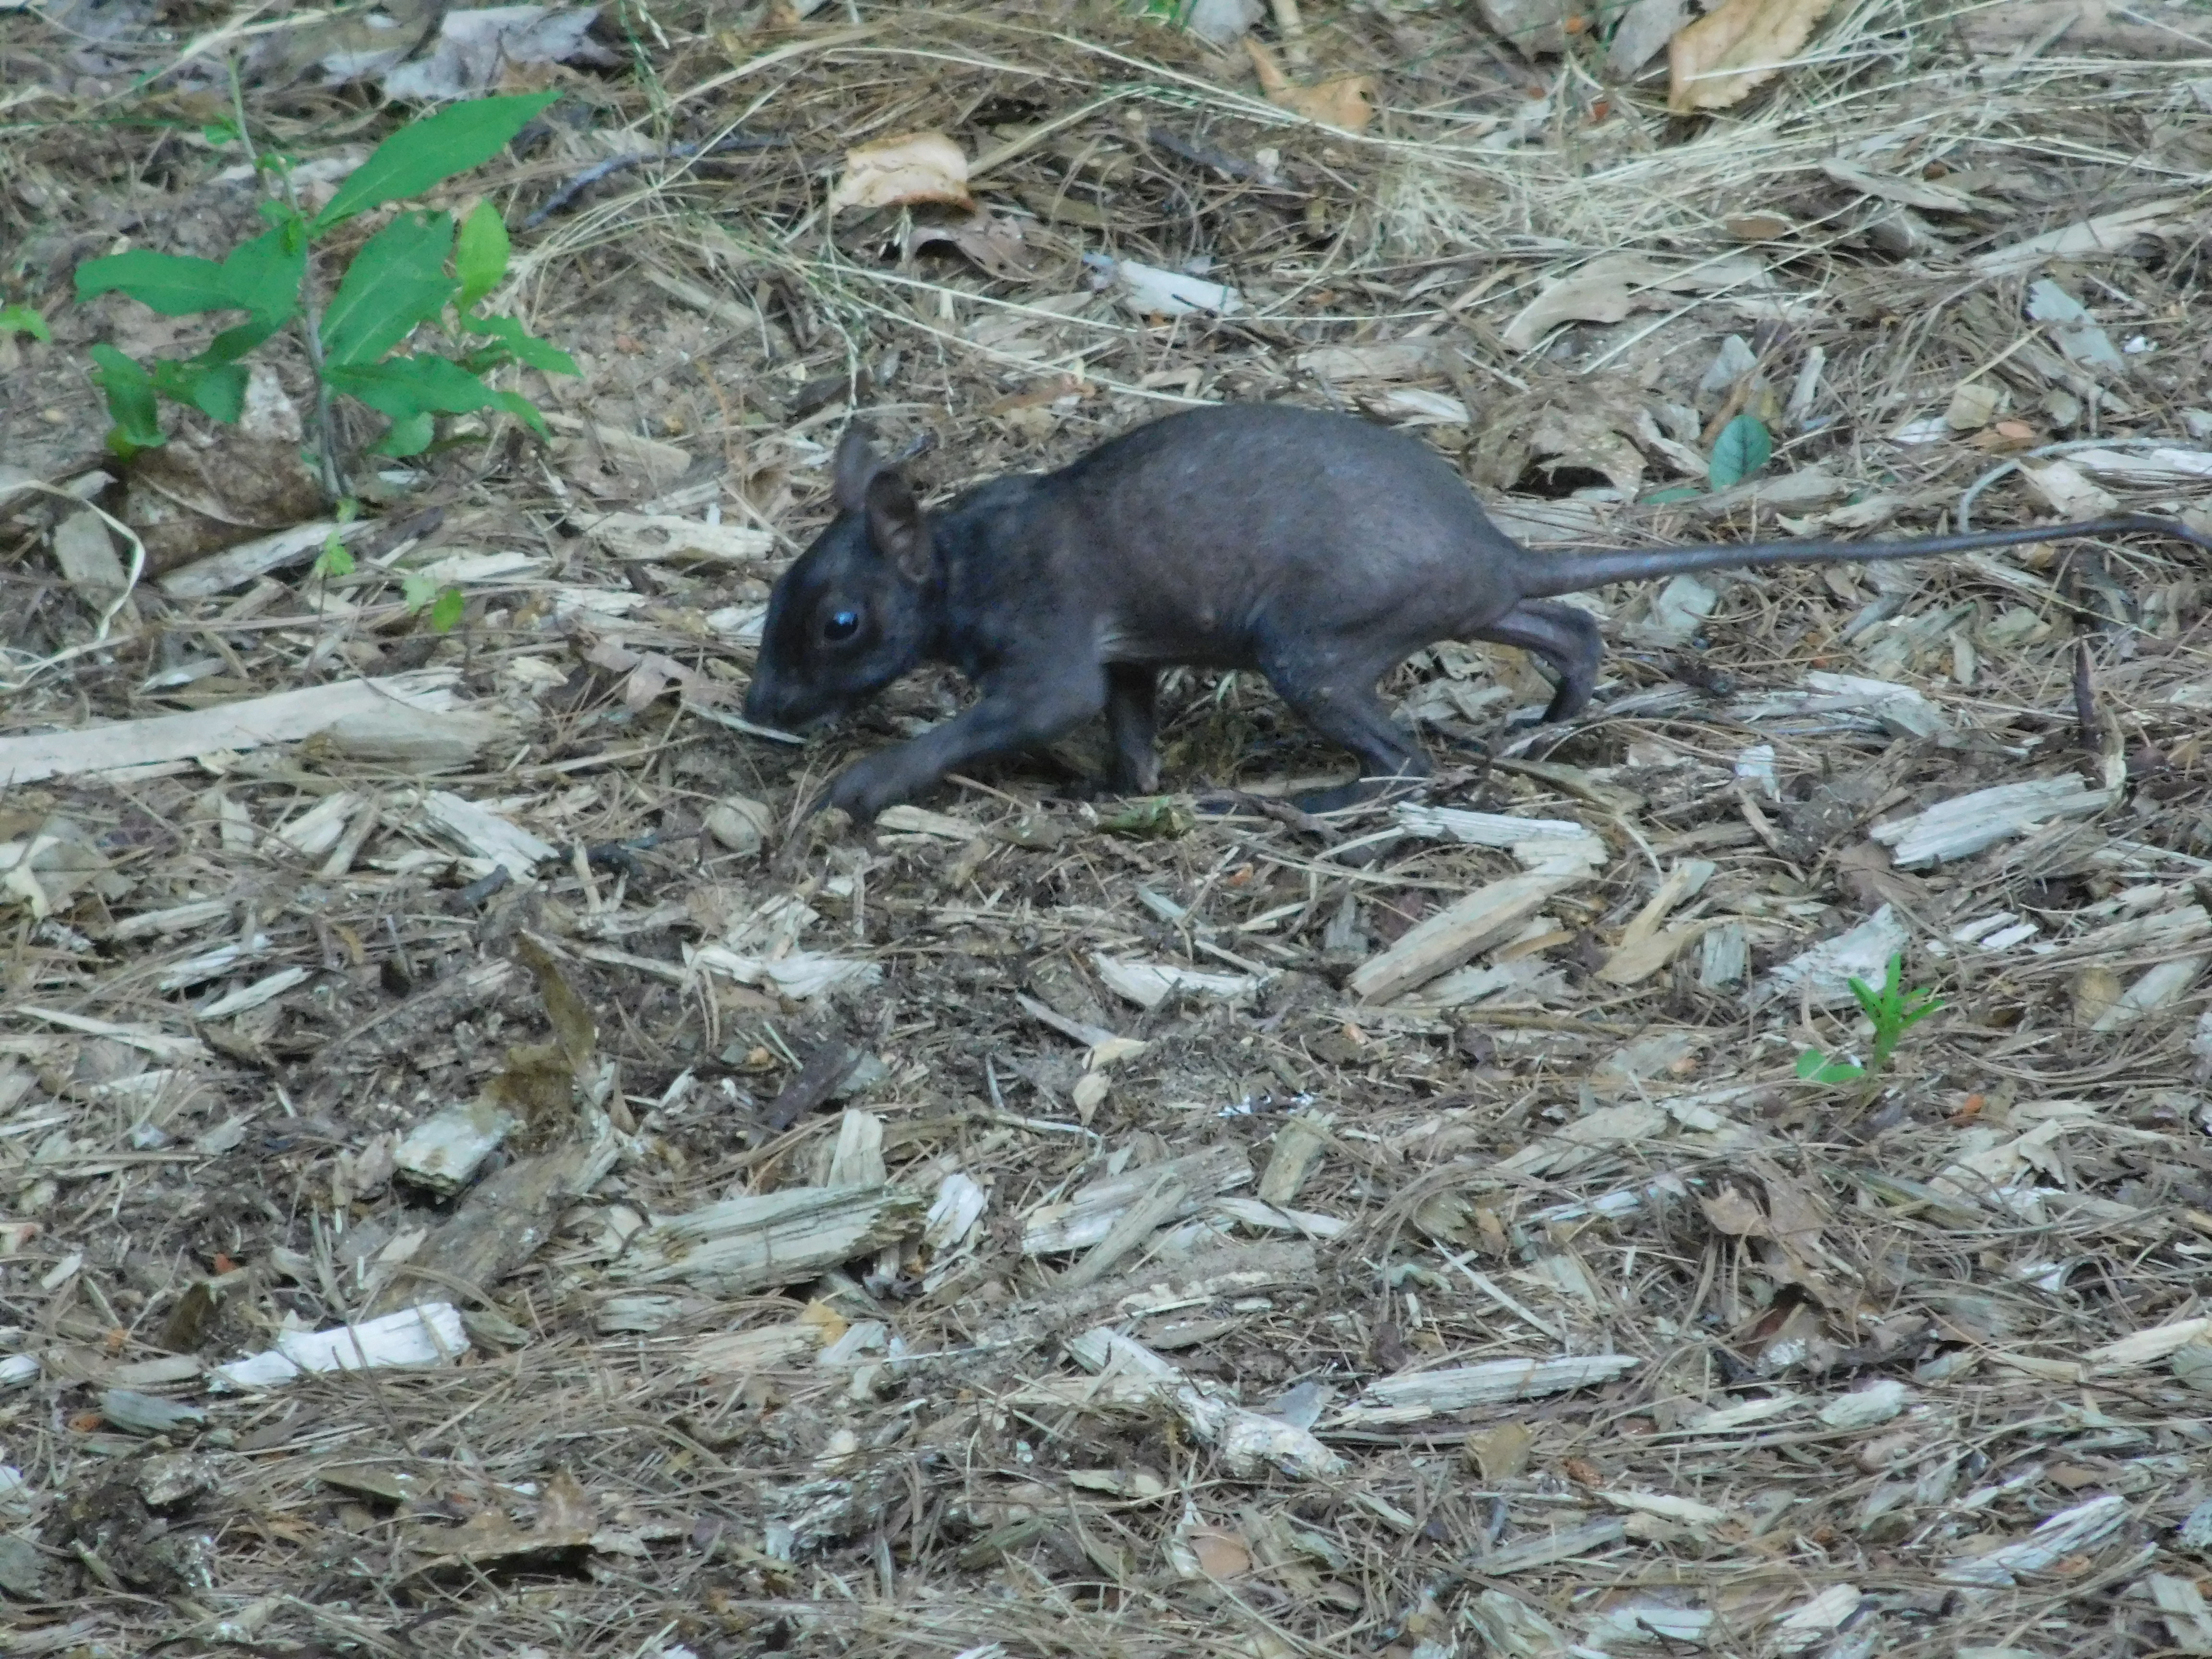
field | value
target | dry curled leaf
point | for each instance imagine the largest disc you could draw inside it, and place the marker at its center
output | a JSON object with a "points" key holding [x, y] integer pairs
{"points": [[1738, 45], [1609, 286], [994, 243], [1756, 226], [915, 166], [1347, 100], [1536, 29], [1220, 1555]]}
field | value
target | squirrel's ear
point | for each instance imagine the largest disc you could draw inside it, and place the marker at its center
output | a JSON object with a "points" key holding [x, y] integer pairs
{"points": [[857, 465], [896, 526]]}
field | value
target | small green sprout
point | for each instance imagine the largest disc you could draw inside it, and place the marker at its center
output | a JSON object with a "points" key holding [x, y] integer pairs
{"points": [[1893, 1010]]}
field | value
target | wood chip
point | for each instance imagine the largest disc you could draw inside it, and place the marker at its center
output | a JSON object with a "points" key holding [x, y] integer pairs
{"points": [[1487, 916], [1148, 984], [749, 1243], [429, 1334], [1966, 823], [1251, 1443], [1422, 1394], [283, 717], [2109, 235], [2067, 1533], [488, 836], [1083, 1218]]}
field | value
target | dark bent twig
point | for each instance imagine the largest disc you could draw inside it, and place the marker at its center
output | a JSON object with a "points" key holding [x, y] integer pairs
{"points": [[1281, 812], [1204, 154], [622, 855], [826, 1068], [482, 887], [2085, 699], [591, 175]]}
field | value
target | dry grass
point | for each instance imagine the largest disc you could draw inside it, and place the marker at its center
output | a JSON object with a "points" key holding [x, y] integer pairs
{"points": [[1866, 1332]]}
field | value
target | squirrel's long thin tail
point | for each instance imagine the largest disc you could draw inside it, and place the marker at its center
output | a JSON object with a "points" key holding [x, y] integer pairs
{"points": [[1560, 573]]}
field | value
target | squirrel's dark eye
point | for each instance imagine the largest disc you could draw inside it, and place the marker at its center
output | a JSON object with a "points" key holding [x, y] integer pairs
{"points": [[841, 625]]}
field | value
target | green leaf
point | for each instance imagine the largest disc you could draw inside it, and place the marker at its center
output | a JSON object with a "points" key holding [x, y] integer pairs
{"points": [[1153, 818], [169, 283], [1739, 451], [281, 215], [264, 275], [22, 319], [417, 591], [410, 390], [402, 387], [446, 614], [215, 389], [423, 152], [334, 561], [523, 410], [521, 345], [1869, 999], [409, 434], [220, 133], [261, 277], [129, 392], [397, 282], [480, 256], [233, 343], [1816, 1068], [1672, 493]]}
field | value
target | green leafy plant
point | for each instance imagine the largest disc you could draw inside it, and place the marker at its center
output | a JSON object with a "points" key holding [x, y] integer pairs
{"points": [[22, 319], [334, 560], [444, 602], [1893, 1010], [1157, 817], [397, 282]]}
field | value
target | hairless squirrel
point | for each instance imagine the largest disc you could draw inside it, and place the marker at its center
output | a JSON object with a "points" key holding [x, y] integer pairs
{"points": [[1321, 549]]}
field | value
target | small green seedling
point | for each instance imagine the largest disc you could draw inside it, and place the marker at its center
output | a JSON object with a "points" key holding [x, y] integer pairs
{"points": [[334, 560], [22, 319], [1155, 817], [445, 604], [398, 281], [1893, 1010]]}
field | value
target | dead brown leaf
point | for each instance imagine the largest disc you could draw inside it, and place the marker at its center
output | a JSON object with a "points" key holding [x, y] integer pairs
{"points": [[1736, 1213], [1756, 227], [1609, 286], [1865, 868], [1346, 101], [1220, 1554], [489, 1539], [573, 1028], [1780, 1221], [915, 166], [992, 242], [1739, 45], [1501, 1453], [565, 1507], [650, 673]]}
